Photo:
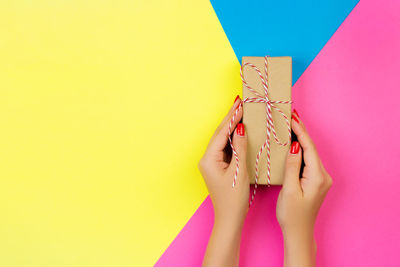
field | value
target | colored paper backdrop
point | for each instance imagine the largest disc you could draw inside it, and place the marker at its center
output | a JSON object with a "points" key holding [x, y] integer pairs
{"points": [[348, 99], [106, 107], [279, 28]]}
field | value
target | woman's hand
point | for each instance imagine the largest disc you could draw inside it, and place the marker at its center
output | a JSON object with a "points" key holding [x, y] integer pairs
{"points": [[301, 197], [230, 203]]}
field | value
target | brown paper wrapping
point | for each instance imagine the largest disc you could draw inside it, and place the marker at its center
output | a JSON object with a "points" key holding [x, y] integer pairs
{"points": [[255, 120]]}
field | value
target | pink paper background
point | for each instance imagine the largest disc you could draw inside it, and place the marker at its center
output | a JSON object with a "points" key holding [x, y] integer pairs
{"points": [[349, 100]]}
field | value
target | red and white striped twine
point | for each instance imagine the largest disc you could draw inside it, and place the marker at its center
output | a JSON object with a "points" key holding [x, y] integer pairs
{"points": [[270, 105]]}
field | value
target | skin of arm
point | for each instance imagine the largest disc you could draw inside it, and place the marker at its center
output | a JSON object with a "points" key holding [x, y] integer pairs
{"points": [[298, 202], [230, 204], [300, 198]]}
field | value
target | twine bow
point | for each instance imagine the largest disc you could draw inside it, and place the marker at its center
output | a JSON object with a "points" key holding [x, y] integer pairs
{"points": [[269, 106]]}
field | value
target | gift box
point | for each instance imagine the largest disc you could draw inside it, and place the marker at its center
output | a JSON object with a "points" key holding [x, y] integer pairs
{"points": [[271, 76]]}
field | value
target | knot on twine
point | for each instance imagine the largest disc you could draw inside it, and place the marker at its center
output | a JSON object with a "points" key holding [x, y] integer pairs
{"points": [[270, 105]]}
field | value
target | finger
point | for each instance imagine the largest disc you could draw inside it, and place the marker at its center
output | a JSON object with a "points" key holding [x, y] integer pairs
{"points": [[292, 169], [311, 157], [228, 116], [239, 143], [323, 168], [221, 135]]}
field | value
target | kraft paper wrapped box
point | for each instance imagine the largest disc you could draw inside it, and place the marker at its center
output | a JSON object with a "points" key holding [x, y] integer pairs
{"points": [[279, 70]]}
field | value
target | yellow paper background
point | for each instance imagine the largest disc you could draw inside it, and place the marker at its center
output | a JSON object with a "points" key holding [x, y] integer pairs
{"points": [[105, 109]]}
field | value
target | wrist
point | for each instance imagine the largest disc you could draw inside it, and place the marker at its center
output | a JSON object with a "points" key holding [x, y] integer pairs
{"points": [[295, 240], [227, 217], [224, 241], [298, 229], [300, 235], [233, 223], [299, 247]]}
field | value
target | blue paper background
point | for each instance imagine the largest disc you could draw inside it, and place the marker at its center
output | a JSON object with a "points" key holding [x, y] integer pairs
{"points": [[281, 28]]}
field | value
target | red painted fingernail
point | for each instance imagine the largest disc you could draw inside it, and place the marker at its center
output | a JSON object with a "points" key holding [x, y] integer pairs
{"points": [[237, 97], [295, 147], [295, 118], [240, 129], [295, 112]]}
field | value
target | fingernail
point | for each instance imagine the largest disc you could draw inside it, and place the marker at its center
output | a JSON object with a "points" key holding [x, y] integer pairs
{"points": [[240, 129], [295, 118], [295, 112], [237, 97], [294, 148]]}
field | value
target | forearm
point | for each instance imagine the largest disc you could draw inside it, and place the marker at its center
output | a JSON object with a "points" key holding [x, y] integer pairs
{"points": [[224, 244], [300, 249]]}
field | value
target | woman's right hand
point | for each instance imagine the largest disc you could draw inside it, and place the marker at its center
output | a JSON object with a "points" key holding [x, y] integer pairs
{"points": [[301, 197]]}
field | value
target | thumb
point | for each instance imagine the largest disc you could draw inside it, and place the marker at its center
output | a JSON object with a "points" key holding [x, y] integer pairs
{"points": [[240, 144], [292, 170]]}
